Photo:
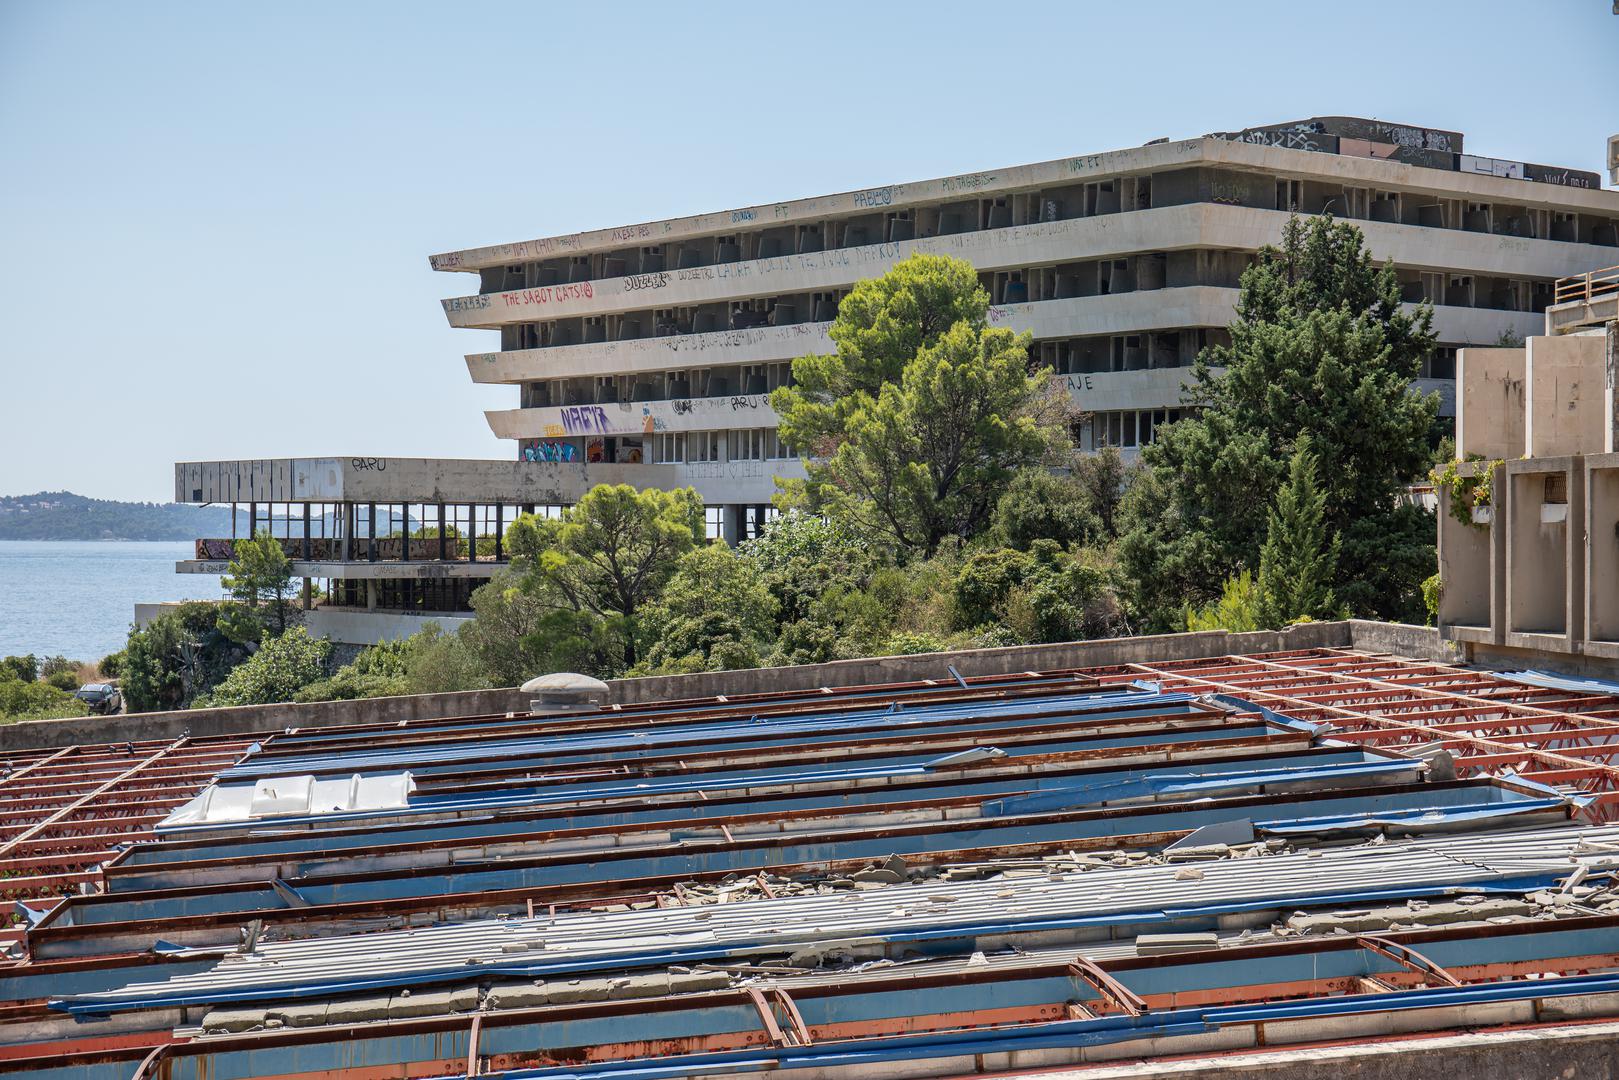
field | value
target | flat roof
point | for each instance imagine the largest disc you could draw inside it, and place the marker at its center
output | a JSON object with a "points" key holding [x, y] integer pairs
{"points": [[1128, 856], [1420, 157]]}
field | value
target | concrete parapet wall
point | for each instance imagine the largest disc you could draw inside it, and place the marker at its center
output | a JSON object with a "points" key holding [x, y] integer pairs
{"points": [[252, 719], [1565, 395], [1491, 409]]}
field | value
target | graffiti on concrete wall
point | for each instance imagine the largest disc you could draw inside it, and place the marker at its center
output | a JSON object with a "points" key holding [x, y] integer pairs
{"points": [[549, 294], [645, 418], [723, 470], [641, 282], [578, 419], [216, 549], [548, 450], [969, 182], [1287, 140], [1413, 138]]}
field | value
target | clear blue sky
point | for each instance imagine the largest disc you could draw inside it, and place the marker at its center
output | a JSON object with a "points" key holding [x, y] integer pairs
{"points": [[216, 217]]}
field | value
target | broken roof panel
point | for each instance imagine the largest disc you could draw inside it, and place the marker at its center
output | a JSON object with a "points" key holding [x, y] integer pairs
{"points": [[1130, 858]]}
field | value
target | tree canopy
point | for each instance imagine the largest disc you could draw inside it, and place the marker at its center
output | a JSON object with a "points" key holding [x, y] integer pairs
{"points": [[608, 555], [1299, 558], [919, 419], [715, 613], [1321, 348], [260, 573]]}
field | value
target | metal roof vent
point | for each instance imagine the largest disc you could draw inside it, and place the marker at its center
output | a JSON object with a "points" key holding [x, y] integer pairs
{"points": [[564, 691]]}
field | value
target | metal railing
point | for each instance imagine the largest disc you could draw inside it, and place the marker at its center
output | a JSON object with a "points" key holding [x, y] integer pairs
{"points": [[1586, 286]]}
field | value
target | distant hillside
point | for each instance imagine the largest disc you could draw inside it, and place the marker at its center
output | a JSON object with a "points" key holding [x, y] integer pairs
{"points": [[62, 515]]}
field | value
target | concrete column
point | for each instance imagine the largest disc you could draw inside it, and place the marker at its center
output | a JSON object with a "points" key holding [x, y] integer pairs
{"points": [[370, 594], [731, 529], [308, 594], [1610, 411]]}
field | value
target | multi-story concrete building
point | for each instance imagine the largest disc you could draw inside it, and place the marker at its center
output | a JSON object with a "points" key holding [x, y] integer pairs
{"points": [[646, 353], [658, 343]]}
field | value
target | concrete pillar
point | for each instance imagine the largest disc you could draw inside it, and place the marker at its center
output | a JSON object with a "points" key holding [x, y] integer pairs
{"points": [[1473, 565], [308, 594], [1602, 556], [370, 594], [1610, 396], [731, 527]]}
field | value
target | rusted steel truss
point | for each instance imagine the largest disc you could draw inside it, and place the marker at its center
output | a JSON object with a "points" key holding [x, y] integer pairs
{"points": [[1489, 725]]}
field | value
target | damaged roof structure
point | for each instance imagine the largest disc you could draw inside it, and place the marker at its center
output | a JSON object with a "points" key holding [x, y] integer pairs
{"points": [[1319, 853]]}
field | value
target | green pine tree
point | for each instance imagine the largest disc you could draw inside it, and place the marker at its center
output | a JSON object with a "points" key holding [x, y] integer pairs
{"points": [[1322, 346], [1298, 560]]}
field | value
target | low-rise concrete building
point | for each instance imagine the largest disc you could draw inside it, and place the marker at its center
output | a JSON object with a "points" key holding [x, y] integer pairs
{"points": [[1529, 558]]}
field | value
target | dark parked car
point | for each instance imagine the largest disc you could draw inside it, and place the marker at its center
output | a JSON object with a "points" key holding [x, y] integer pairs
{"points": [[102, 698]]}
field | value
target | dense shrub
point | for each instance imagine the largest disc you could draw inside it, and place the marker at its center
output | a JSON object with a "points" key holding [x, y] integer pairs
{"points": [[279, 669]]}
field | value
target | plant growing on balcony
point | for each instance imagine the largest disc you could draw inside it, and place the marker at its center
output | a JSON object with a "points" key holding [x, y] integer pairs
{"points": [[1466, 493]]}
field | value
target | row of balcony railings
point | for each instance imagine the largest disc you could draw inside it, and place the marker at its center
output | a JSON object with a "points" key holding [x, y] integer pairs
{"points": [[810, 239], [1480, 292], [1588, 286], [362, 549]]}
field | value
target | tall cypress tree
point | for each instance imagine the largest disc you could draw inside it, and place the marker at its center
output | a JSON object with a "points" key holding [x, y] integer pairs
{"points": [[1323, 348], [1298, 560]]}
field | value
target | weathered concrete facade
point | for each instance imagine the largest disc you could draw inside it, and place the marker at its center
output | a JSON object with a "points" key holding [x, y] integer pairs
{"points": [[645, 354], [659, 341], [1531, 562]]}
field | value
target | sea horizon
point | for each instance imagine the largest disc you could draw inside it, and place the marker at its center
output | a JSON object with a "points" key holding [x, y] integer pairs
{"points": [[76, 598]]}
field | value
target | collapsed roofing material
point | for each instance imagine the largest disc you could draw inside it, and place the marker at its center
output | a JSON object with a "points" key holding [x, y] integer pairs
{"points": [[287, 796], [1040, 869]]}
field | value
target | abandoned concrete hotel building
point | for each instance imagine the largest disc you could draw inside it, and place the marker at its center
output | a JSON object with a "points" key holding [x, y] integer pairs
{"points": [[645, 353]]}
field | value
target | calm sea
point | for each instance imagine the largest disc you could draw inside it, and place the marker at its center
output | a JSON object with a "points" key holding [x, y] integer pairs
{"points": [[76, 598]]}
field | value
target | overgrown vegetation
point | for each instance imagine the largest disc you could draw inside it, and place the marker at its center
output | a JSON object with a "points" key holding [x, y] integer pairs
{"points": [[35, 690], [1321, 349], [1466, 493], [945, 507]]}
